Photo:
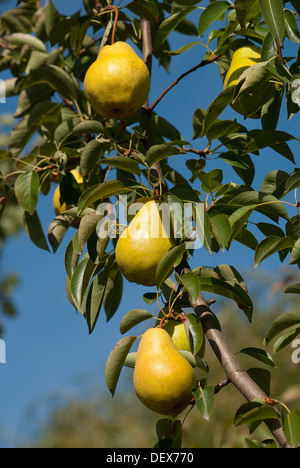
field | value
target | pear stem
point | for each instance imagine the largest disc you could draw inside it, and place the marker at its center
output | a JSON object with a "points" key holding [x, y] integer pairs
{"points": [[113, 35]]}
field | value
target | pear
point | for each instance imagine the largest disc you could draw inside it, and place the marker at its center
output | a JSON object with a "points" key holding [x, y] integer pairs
{"points": [[143, 244], [242, 59], [177, 332], [117, 84], [162, 378]]}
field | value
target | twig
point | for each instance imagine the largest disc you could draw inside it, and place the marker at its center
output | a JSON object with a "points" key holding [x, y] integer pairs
{"points": [[221, 385], [214, 58]]}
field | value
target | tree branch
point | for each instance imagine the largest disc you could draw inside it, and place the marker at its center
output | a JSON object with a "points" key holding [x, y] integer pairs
{"points": [[146, 112], [230, 364], [233, 370], [214, 58]]}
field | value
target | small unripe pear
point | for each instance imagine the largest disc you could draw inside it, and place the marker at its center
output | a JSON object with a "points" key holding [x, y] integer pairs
{"points": [[58, 206], [178, 333]]}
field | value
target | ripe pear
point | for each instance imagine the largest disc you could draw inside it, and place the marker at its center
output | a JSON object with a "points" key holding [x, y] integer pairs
{"points": [[117, 84], [177, 332], [59, 206], [162, 378], [143, 244], [242, 59]]}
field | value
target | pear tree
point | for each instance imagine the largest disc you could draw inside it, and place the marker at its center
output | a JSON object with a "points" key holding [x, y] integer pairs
{"points": [[212, 183]]}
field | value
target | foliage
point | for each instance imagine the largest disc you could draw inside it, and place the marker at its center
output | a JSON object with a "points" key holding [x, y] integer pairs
{"points": [[48, 54], [91, 419]]}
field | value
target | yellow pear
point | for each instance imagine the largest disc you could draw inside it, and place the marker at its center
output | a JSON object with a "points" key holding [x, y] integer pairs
{"points": [[117, 84], [162, 378], [242, 59], [58, 206], [143, 244], [177, 332]]}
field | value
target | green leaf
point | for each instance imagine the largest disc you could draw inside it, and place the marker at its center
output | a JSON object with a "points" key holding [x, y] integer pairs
{"points": [[253, 412], [95, 299], [34, 230], [146, 9], [57, 78], [113, 292], [194, 360], [21, 39], [169, 433], [273, 13], [196, 331], [274, 183], [133, 318], [20, 136], [89, 127], [202, 225], [159, 152], [265, 203], [296, 5], [295, 254], [263, 138], [116, 361], [98, 192], [260, 355], [281, 324], [167, 263], [234, 292], [291, 26], [121, 162], [285, 340], [293, 289], [90, 156], [271, 245], [293, 182], [204, 397], [27, 190], [221, 229], [212, 13], [80, 281], [246, 10], [169, 24], [265, 444], [217, 107], [71, 259], [239, 218], [191, 283], [87, 226], [291, 427]]}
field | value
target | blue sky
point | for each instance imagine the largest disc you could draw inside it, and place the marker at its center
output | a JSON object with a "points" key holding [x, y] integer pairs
{"points": [[48, 345]]}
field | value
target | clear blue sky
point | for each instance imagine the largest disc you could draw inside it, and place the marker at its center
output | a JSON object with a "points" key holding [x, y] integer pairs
{"points": [[48, 345]]}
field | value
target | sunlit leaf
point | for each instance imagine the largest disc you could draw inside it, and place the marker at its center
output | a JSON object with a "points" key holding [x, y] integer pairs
{"points": [[116, 361]]}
